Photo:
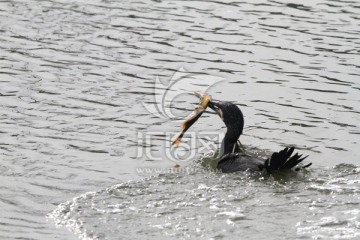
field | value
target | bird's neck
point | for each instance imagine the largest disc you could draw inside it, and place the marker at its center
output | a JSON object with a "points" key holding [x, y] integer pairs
{"points": [[230, 140]]}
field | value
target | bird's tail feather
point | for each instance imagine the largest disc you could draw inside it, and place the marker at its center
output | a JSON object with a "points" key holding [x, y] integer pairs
{"points": [[284, 161]]}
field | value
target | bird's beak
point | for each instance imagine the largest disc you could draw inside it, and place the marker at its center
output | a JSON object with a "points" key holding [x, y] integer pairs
{"points": [[215, 106]]}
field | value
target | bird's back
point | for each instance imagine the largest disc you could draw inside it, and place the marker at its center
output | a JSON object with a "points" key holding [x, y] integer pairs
{"points": [[235, 162]]}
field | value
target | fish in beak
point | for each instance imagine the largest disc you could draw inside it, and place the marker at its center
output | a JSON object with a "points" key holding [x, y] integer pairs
{"points": [[205, 100]]}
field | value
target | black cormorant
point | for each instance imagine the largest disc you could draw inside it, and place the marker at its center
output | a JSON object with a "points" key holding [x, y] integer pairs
{"points": [[232, 159]]}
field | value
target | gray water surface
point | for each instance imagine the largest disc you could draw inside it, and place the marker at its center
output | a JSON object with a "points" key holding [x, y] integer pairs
{"points": [[74, 76], [319, 205]]}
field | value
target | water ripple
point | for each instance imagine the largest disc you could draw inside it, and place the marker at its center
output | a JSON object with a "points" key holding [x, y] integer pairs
{"points": [[172, 203]]}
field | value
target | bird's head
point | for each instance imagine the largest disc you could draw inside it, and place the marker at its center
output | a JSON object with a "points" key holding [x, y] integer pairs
{"points": [[232, 117]]}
